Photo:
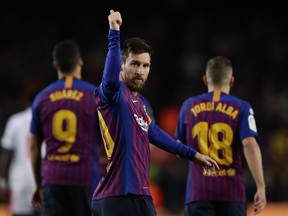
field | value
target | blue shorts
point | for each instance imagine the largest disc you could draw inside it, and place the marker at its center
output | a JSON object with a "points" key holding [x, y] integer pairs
{"points": [[215, 208], [59, 200], [129, 205]]}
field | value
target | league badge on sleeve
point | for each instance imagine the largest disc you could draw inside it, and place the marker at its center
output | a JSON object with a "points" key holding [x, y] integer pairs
{"points": [[251, 121]]}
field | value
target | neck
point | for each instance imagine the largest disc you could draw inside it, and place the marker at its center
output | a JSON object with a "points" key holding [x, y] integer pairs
{"points": [[134, 93], [76, 74], [225, 89]]}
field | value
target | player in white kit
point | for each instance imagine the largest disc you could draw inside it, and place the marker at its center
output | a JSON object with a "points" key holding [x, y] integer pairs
{"points": [[15, 165]]}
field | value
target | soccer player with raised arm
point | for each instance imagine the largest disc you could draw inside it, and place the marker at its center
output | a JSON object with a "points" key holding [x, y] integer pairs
{"points": [[127, 130]]}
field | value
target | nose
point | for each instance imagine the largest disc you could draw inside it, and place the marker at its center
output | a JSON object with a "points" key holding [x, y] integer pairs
{"points": [[140, 70]]}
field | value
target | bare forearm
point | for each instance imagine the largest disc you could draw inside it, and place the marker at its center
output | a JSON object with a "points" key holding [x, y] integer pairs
{"points": [[254, 160], [36, 167], [36, 159]]}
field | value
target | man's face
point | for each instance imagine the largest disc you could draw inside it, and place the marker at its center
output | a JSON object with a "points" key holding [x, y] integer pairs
{"points": [[135, 70]]}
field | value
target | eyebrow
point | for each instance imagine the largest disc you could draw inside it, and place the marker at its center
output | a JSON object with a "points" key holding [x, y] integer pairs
{"points": [[139, 62]]}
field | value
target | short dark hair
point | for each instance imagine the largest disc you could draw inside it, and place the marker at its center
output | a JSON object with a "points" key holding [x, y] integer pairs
{"points": [[135, 45], [66, 55], [218, 69]]}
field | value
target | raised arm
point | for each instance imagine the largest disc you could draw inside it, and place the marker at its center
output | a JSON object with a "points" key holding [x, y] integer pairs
{"points": [[115, 20], [112, 68]]}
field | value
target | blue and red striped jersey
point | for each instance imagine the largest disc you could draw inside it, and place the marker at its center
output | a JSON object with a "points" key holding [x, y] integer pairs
{"points": [[214, 124], [127, 145], [65, 115], [127, 130]]}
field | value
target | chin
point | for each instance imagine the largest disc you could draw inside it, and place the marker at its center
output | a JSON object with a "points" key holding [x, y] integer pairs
{"points": [[134, 85], [136, 88]]}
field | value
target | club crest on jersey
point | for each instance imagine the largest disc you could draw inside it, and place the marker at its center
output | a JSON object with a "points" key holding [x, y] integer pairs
{"points": [[143, 124], [149, 119]]}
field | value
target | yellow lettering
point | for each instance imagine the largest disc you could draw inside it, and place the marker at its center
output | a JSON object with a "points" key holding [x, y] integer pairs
{"points": [[229, 110], [210, 106], [66, 94], [64, 157], [219, 107], [203, 107], [79, 96], [58, 95], [52, 97], [63, 94], [194, 111], [223, 108], [223, 172], [234, 114], [69, 93], [74, 94]]}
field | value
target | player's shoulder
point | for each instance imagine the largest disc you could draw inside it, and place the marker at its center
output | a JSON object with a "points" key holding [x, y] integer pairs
{"points": [[18, 116], [236, 99], [56, 85], [143, 98], [193, 99], [13, 119], [84, 84], [49, 87]]}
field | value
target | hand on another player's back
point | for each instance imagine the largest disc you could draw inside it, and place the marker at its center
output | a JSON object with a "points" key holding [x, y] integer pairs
{"points": [[208, 164]]}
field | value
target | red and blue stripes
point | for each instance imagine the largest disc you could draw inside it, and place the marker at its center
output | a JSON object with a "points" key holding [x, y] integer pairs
{"points": [[228, 183], [78, 165]]}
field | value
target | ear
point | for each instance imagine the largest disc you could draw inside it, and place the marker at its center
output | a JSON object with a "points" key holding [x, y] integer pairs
{"points": [[231, 82], [55, 66], [205, 80], [81, 63], [122, 65]]}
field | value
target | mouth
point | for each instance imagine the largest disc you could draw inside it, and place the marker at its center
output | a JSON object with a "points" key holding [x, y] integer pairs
{"points": [[138, 79], [136, 83]]}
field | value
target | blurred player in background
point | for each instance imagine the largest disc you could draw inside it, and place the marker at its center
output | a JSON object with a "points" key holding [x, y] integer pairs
{"points": [[16, 178], [65, 117], [221, 126]]}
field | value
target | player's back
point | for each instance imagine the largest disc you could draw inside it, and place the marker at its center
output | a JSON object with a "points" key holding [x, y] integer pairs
{"points": [[214, 124], [66, 117]]}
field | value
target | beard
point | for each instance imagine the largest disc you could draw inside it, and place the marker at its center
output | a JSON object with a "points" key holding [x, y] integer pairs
{"points": [[135, 85]]}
